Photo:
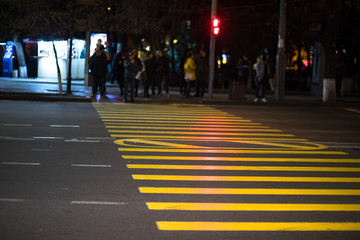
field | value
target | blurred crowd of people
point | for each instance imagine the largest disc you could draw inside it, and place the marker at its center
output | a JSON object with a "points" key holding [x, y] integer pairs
{"points": [[148, 74]]}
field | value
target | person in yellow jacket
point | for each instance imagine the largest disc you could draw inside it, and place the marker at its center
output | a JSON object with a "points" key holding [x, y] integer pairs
{"points": [[189, 71]]}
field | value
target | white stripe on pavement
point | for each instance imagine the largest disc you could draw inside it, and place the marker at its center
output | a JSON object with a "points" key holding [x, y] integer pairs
{"points": [[98, 203], [20, 163], [15, 125], [65, 126], [11, 200], [90, 165]]}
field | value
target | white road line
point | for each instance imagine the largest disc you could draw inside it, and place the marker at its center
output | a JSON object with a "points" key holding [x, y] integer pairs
{"points": [[20, 163], [100, 138], [48, 137], [14, 138], [65, 126], [15, 125], [90, 165], [40, 150], [11, 200], [82, 141], [98, 203]]}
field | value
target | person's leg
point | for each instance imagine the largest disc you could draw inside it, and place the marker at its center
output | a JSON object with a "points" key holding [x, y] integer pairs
{"points": [[132, 89], [159, 81], [121, 87], [165, 81], [102, 86], [126, 88], [153, 85], [146, 87], [202, 88], [95, 85], [188, 88], [258, 90]]}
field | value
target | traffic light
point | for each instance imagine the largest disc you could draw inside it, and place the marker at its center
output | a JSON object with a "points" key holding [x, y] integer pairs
{"points": [[215, 27]]}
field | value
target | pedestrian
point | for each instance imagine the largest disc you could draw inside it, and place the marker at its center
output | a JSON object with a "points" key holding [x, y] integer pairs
{"points": [[132, 67], [138, 74], [150, 74], [98, 66], [141, 75], [189, 72], [117, 71], [244, 69], [163, 72], [202, 73], [260, 79]]}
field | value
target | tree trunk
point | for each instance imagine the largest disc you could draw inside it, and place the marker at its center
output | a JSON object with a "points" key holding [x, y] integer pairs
{"points": [[329, 43], [58, 68], [68, 81], [21, 58], [329, 87], [317, 70]]}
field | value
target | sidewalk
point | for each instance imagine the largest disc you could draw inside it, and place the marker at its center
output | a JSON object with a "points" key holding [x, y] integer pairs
{"points": [[46, 89]]}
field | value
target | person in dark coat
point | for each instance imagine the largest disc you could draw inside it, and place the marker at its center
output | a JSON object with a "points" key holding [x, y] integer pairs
{"points": [[244, 70], [163, 72], [98, 65], [150, 74], [118, 70], [202, 73], [132, 67]]}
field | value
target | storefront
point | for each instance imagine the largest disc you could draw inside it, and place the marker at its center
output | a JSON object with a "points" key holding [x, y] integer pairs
{"points": [[47, 62], [40, 57], [46, 56]]}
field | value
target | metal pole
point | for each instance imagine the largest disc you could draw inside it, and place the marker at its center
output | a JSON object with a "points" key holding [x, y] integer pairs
{"points": [[280, 58], [212, 52], [68, 79], [87, 56]]}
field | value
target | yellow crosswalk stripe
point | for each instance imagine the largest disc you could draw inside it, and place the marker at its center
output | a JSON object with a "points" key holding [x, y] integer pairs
{"points": [[186, 206], [244, 178], [184, 150], [189, 120], [250, 129], [172, 113], [249, 191], [240, 159], [244, 168], [210, 138], [159, 108], [172, 116], [257, 226], [179, 118], [240, 129], [239, 125], [204, 133]]}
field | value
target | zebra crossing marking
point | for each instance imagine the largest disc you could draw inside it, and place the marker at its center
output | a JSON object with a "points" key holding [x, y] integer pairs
{"points": [[186, 206], [152, 131], [240, 159], [243, 178], [257, 226], [250, 191]]}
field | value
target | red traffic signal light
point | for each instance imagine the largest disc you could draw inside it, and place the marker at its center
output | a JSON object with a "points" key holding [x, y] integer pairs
{"points": [[215, 26]]}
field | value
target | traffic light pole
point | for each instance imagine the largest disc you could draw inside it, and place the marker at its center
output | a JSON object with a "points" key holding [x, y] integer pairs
{"points": [[212, 52], [280, 58]]}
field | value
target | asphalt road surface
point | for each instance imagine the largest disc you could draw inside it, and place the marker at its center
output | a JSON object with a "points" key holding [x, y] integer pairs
{"points": [[178, 171]]}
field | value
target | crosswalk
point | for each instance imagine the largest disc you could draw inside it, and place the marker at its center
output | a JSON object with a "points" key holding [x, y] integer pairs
{"points": [[194, 159]]}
